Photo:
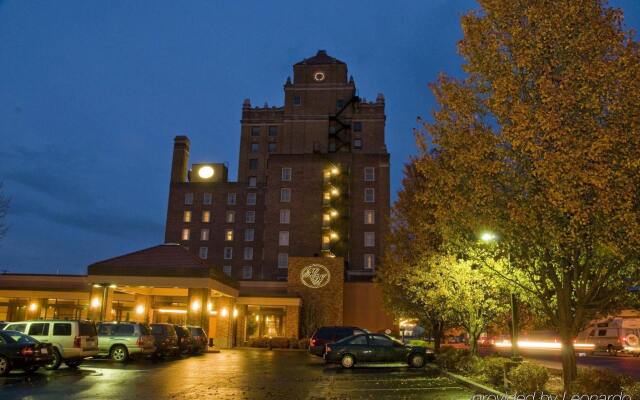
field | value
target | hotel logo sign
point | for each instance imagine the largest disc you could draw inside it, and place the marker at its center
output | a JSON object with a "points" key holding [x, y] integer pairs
{"points": [[315, 276]]}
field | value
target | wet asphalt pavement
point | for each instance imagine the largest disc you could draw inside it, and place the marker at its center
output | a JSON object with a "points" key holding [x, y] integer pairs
{"points": [[231, 374]]}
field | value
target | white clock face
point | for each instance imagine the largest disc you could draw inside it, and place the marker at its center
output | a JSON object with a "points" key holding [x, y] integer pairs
{"points": [[318, 76]]}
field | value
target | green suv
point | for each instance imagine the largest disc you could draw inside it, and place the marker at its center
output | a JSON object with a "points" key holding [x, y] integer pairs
{"points": [[124, 340]]}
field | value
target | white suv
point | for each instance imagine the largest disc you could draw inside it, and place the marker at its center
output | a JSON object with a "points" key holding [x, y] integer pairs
{"points": [[72, 341]]}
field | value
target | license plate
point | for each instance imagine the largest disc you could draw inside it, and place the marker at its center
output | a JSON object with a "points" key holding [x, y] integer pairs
{"points": [[44, 350]]}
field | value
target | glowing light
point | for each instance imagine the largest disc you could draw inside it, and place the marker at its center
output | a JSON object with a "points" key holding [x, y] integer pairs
{"points": [[195, 305], [33, 306], [326, 217], [209, 306], [335, 192], [140, 309], [96, 285], [224, 312], [95, 302], [327, 173], [113, 286], [530, 344], [171, 311], [257, 318], [235, 313], [205, 172], [333, 235], [335, 171], [334, 213], [488, 236]]}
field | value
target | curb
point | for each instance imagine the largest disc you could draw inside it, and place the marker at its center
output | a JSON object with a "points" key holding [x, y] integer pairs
{"points": [[478, 387]]}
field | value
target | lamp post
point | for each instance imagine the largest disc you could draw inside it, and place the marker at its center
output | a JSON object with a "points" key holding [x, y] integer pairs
{"points": [[490, 237]]}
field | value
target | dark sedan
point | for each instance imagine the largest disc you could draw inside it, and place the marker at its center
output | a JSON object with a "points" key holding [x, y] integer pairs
{"points": [[19, 351], [372, 348]]}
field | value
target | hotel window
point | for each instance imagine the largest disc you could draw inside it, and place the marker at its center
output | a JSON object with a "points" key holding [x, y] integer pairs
{"points": [[283, 260], [228, 253], [357, 126], [251, 199], [227, 269], [357, 144], [250, 217], [253, 164], [332, 146], [188, 199], [255, 131], [253, 181], [273, 131], [230, 217], [369, 261], [228, 235], [231, 198], [273, 147], [286, 174], [339, 104], [369, 195], [203, 252], [247, 272], [207, 198], [255, 147], [369, 174], [369, 217], [206, 216], [326, 242], [204, 234], [187, 216], [249, 234], [283, 238], [369, 239], [285, 195], [248, 253], [297, 100], [185, 234], [285, 216]]}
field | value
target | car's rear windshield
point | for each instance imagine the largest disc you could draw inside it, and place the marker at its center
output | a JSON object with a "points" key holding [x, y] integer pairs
{"points": [[157, 329], [17, 337], [87, 328], [196, 331], [144, 329], [324, 333]]}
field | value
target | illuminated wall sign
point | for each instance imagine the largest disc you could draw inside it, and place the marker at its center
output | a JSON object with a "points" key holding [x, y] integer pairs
{"points": [[315, 276], [205, 172]]}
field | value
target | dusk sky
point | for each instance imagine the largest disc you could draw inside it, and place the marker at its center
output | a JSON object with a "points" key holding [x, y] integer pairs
{"points": [[92, 94]]}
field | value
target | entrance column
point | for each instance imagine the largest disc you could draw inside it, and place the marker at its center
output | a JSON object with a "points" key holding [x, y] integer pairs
{"points": [[198, 310], [225, 322], [100, 299], [142, 308]]}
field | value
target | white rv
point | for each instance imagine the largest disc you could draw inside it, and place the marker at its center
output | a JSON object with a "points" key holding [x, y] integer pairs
{"points": [[613, 334]]}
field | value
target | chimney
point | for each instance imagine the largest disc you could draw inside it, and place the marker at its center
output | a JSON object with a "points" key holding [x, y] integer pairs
{"points": [[180, 161]]}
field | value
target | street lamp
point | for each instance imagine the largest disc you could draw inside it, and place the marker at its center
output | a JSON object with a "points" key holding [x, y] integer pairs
{"points": [[490, 237]]}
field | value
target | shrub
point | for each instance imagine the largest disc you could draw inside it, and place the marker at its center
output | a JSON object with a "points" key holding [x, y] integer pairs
{"points": [[293, 343], [528, 378], [259, 342], [303, 343], [279, 343], [595, 380], [469, 364], [632, 390], [447, 358], [494, 369]]}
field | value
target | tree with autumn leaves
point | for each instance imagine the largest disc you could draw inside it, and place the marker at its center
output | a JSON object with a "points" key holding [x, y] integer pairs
{"points": [[539, 143]]}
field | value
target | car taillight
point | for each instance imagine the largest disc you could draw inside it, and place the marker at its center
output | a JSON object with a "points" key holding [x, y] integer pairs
{"points": [[77, 342], [328, 348], [313, 342], [26, 351]]}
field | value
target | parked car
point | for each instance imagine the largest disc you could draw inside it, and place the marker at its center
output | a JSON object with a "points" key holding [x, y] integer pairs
{"points": [[166, 339], [329, 334], [72, 340], [185, 340], [124, 340], [371, 348], [3, 324], [613, 335], [19, 351], [199, 339]]}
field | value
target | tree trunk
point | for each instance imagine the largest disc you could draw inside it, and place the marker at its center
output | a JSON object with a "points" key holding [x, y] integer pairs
{"points": [[569, 367], [438, 332]]}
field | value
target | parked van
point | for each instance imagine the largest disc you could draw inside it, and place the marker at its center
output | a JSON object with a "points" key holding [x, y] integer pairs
{"points": [[613, 334], [72, 341]]}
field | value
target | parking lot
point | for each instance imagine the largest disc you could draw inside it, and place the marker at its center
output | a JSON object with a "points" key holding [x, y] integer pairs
{"points": [[231, 374]]}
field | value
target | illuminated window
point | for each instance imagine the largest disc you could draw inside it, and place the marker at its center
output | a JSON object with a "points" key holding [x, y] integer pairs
{"points": [[369, 217], [230, 217], [285, 216], [297, 100], [369, 195], [227, 269], [251, 199], [357, 144], [369, 239], [207, 198], [203, 252], [286, 174], [247, 272], [249, 234], [206, 216], [204, 234], [326, 242], [187, 216], [273, 147], [283, 260], [188, 199], [255, 131], [228, 235], [231, 198], [369, 174], [326, 197], [357, 126], [283, 238], [250, 217], [253, 164], [248, 253], [285, 195], [253, 181], [228, 253], [326, 217], [369, 261], [273, 131], [185, 234], [255, 147]]}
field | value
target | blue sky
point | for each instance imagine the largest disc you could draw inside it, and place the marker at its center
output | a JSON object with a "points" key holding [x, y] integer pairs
{"points": [[92, 94]]}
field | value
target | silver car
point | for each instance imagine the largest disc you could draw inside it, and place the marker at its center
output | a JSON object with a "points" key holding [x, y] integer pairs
{"points": [[123, 340]]}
